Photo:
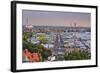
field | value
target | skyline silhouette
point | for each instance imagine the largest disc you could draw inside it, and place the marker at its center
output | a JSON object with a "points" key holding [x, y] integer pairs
{"points": [[56, 18]]}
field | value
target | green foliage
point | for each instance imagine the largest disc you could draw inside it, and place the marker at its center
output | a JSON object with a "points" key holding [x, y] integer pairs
{"points": [[77, 55], [26, 44], [46, 54], [26, 35], [36, 47], [42, 39], [31, 47], [44, 51]]}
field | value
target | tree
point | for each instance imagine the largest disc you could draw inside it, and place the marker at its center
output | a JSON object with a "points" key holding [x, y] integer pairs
{"points": [[42, 39], [26, 44], [77, 55], [38, 48], [46, 54], [44, 51]]}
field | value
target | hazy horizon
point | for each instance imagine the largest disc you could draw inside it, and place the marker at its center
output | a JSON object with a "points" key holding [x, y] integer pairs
{"points": [[54, 18]]}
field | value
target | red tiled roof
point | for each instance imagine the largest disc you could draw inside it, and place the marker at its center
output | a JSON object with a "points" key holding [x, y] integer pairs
{"points": [[32, 57]]}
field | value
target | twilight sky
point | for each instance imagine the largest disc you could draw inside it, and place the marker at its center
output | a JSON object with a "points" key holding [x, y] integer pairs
{"points": [[52, 18]]}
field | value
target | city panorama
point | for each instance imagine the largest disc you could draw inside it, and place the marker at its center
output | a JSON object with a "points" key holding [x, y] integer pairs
{"points": [[55, 36]]}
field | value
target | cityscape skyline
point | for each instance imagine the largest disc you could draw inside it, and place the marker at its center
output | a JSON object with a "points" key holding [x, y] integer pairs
{"points": [[54, 18]]}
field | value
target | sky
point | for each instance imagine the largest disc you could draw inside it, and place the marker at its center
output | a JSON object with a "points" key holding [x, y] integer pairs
{"points": [[55, 18]]}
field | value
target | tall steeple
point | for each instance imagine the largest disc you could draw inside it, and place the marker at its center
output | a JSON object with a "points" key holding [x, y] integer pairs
{"points": [[58, 44]]}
